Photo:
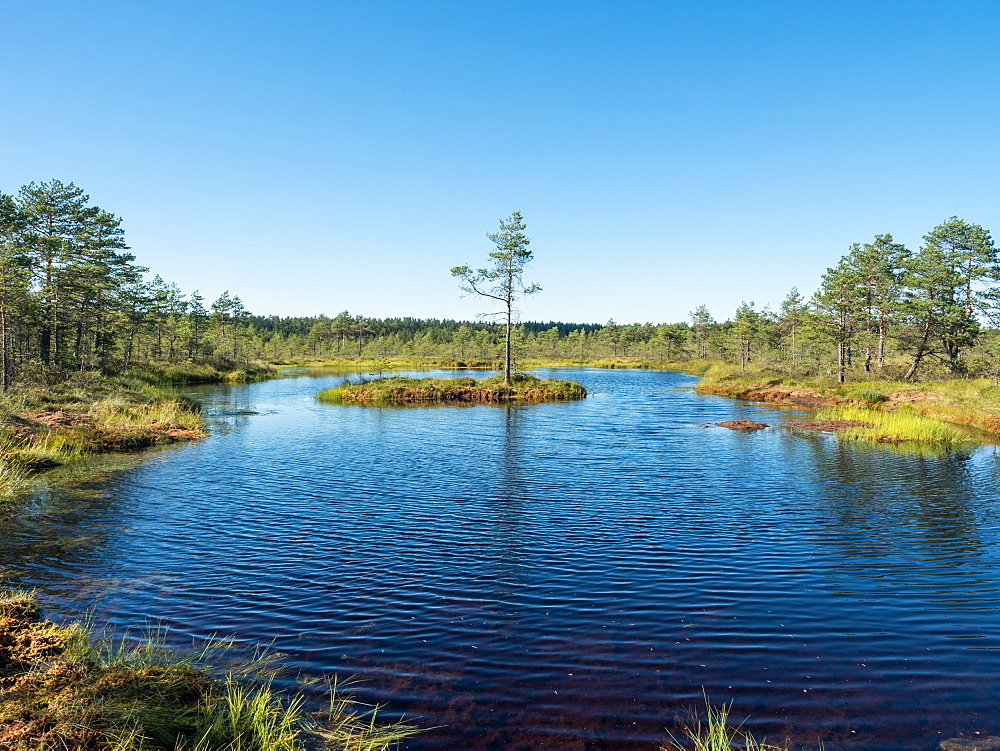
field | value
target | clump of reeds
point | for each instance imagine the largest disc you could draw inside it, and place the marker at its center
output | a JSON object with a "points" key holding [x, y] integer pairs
{"points": [[13, 473], [62, 688], [870, 396], [118, 413], [716, 733], [895, 426], [524, 388]]}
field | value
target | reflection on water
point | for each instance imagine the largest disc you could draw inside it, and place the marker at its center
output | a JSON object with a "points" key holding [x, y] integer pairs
{"points": [[565, 575]]}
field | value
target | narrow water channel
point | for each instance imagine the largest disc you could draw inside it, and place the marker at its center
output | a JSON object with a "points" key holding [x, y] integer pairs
{"points": [[558, 576]]}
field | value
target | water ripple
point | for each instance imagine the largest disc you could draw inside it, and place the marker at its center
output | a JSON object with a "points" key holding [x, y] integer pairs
{"points": [[555, 576]]}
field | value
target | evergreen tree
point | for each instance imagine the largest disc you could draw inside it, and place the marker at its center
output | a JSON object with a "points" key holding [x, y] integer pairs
{"points": [[877, 267], [701, 319], [950, 281], [746, 329], [503, 281], [791, 319], [222, 310], [838, 305], [55, 225], [197, 318], [15, 270]]}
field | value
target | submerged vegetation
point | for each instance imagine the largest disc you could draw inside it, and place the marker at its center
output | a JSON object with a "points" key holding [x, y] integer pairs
{"points": [[60, 688], [523, 388]]}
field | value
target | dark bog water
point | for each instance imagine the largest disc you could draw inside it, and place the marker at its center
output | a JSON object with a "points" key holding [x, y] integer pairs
{"points": [[565, 576]]}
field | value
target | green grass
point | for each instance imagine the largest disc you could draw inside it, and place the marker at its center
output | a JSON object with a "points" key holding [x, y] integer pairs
{"points": [[716, 733], [62, 688], [396, 390], [928, 411], [14, 475], [900, 426], [207, 371], [871, 396]]}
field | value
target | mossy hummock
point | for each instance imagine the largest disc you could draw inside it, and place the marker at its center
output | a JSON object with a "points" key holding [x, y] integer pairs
{"points": [[523, 388]]}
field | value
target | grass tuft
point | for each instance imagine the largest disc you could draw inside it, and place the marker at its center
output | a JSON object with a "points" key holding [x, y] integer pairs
{"points": [[870, 396], [717, 733]]}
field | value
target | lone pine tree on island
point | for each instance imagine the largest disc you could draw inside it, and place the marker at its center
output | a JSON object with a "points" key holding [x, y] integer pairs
{"points": [[503, 281]]}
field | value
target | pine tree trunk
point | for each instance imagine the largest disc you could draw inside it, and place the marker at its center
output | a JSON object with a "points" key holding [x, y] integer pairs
{"points": [[795, 353], [506, 357], [920, 352], [4, 353], [881, 344]]}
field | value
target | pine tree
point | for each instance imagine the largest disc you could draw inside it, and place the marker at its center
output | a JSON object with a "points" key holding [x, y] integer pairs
{"points": [[877, 268], [15, 270], [838, 307], [55, 224], [503, 281], [950, 281], [791, 319], [701, 319]]}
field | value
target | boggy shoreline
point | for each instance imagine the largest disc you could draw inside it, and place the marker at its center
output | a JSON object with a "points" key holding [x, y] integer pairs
{"points": [[63, 687], [944, 412], [46, 426]]}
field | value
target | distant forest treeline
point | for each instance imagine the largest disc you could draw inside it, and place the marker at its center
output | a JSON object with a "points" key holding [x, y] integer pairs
{"points": [[73, 299]]}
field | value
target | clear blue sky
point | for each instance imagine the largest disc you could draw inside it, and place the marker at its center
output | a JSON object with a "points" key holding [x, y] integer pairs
{"points": [[316, 156]]}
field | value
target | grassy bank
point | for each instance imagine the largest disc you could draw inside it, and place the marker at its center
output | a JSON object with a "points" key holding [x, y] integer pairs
{"points": [[43, 426], [183, 374], [396, 390], [60, 688], [894, 411]]}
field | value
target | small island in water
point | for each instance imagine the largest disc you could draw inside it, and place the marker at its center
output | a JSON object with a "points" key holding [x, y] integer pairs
{"points": [[397, 390]]}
